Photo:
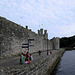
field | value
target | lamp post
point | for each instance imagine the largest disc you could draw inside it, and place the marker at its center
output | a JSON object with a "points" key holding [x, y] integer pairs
{"points": [[47, 46]]}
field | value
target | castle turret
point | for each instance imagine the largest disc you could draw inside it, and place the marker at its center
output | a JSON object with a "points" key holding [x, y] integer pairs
{"points": [[45, 34], [45, 31], [26, 27], [55, 43], [41, 31]]}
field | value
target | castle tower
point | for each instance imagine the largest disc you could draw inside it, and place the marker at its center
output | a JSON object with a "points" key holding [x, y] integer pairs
{"points": [[41, 31], [55, 43], [26, 27], [45, 34], [45, 31]]}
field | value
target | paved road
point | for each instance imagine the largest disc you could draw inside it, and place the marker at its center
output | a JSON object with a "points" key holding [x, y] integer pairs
{"points": [[15, 60]]}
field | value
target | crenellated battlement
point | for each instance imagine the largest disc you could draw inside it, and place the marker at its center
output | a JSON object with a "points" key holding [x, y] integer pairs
{"points": [[43, 34]]}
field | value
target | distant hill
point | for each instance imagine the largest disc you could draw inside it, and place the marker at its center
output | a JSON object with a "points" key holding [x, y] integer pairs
{"points": [[67, 42]]}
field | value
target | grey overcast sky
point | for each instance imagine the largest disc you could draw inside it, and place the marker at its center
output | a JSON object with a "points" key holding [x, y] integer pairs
{"points": [[56, 16]]}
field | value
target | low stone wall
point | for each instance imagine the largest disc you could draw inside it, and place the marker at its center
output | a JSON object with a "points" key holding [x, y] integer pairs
{"points": [[43, 66]]}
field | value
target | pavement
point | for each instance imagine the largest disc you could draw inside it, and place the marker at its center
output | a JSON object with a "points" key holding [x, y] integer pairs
{"points": [[15, 60]]}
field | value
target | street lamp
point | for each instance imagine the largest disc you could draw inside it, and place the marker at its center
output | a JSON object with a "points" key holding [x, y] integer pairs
{"points": [[47, 46]]}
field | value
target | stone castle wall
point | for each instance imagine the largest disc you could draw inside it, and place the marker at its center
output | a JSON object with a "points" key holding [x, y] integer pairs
{"points": [[12, 36]]}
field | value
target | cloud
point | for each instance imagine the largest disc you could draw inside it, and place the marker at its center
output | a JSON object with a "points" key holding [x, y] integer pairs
{"points": [[67, 30], [62, 31], [57, 16], [1, 3]]}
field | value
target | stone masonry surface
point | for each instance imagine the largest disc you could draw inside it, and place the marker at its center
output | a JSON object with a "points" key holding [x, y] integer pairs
{"points": [[12, 36], [41, 65]]}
